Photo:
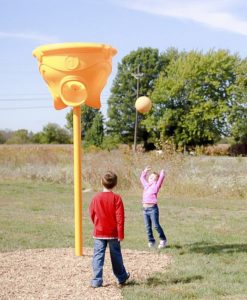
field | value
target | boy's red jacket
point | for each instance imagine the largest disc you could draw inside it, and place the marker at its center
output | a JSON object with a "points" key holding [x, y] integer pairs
{"points": [[107, 213]]}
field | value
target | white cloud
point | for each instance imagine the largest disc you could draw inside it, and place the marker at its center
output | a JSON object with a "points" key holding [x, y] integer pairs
{"points": [[214, 13], [29, 36]]}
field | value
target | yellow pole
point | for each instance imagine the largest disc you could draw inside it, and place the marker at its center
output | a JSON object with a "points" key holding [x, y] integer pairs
{"points": [[77, 180]]}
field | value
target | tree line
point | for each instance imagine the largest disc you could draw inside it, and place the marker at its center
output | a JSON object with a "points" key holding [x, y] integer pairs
{"points": [[198, 99]]}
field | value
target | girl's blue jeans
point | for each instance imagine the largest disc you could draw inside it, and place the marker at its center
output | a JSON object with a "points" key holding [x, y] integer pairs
{"points": [[99, 258], [151, 217]]}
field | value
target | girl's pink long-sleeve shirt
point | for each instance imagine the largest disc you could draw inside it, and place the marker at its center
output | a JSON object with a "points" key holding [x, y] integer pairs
{"points": [[150, 191]]}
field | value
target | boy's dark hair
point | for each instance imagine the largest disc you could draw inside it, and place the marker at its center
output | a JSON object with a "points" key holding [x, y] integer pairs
{"points": [[109, 180]]}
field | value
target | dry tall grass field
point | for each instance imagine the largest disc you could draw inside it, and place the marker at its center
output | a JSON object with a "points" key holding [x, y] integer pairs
{"points": [[192, 176]]}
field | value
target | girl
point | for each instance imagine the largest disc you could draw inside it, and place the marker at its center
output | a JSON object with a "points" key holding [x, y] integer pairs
{"points": [[150, 208]]}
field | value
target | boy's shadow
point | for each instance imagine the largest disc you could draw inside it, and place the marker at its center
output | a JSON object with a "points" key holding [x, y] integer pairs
{"points": [[154, 281], [129, 283]]}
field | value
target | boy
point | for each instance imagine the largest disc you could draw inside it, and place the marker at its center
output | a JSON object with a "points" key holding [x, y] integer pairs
{"points": [[107, 214]]}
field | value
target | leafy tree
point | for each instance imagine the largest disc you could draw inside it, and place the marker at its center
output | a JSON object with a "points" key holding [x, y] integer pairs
{"points": [[20, 136], [37, 138], [54, 134], [121, 110], [238, 116], [111, 142], [87, 117], [95, 134], [193, 98], [3, 137]]}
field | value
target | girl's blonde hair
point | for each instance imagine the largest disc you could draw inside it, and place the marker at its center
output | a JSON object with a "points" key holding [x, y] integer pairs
{"points": [[156, 174]]}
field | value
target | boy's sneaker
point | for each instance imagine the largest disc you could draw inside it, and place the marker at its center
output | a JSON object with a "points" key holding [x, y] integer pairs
{"points": [[151, 244], [162, 244], [123, 282], [95, 286]]}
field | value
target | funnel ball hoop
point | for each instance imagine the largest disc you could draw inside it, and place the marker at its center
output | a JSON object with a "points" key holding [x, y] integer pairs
{"points": [[76, 74]]}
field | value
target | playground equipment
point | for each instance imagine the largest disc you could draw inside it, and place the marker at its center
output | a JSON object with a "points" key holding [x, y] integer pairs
{"points": [[143, 104], [76, 74]]}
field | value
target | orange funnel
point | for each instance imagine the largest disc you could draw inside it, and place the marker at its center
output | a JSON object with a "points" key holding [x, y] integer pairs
{"points": [[75, 73]]}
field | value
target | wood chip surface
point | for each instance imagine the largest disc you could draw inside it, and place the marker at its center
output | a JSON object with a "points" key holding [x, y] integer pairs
{"points": [[59, 274]]}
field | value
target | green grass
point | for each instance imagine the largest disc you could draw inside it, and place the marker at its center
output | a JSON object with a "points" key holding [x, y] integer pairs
{"points": [[207, 237], [35, 215]]}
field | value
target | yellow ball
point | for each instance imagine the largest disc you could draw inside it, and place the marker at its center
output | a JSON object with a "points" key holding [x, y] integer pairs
{"points": [[143, 104]]}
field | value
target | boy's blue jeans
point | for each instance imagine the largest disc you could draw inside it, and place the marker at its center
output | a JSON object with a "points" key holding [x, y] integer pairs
{"points": [[99, 258], [151, 216]]}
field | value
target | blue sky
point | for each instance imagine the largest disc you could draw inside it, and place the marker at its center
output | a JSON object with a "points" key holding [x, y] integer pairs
{"points": [[25, 102]]}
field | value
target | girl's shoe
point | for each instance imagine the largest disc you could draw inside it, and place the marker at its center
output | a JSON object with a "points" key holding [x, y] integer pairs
{"points": [[162, 244]]}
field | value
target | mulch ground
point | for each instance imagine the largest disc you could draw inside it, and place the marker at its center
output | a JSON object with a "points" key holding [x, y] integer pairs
{"points": [[59, 274]]}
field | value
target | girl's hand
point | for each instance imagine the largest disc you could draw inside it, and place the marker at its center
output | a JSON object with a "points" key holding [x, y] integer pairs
{"points": [[147, 169]]}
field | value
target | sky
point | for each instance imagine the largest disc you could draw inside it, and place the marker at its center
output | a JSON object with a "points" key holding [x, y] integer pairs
{"points": [[25, 102]]}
